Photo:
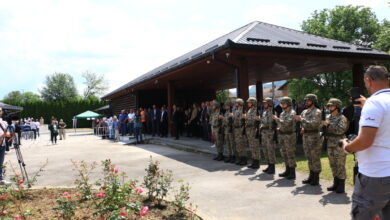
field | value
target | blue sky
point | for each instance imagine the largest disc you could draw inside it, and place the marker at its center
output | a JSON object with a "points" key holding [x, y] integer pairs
{"points": [[123, 39]]}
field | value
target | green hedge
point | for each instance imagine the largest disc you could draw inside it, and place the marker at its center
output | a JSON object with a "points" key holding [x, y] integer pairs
{"points": [[61, 110]]}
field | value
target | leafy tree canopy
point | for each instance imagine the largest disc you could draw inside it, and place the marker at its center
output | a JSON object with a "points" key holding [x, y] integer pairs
{"points": [[59, 87]]}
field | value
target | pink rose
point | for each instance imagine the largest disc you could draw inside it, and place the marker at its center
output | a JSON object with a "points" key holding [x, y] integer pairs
{"points": [[17, 217], [20, 182], [5, 212], [144, 210], [139, 190]]}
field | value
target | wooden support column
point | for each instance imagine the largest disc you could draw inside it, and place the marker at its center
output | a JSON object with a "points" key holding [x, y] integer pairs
{"points": [[358, 76], [171, 101], [259, 91], [242, 80]]}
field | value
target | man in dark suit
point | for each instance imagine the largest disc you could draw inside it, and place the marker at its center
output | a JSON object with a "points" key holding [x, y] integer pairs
{"points": [[156, 114], [175, 122], [164, 122], [205, 122]]}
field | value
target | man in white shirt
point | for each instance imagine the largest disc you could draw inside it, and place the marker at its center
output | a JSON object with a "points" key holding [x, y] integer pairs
{"points": [[3, 130], [371, 195], [131, 117]]}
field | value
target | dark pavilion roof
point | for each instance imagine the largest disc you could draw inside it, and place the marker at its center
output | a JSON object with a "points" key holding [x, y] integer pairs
{"points": [[10, 107], [260, 35]]}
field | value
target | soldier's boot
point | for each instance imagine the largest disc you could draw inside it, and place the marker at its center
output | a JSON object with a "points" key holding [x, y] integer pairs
{"points": [[250, 166], [255, 164], [220, 157], [335, 184], [243, 162], [271, 169], [232, 159], [341, 186], [285, 173], [266, 169], [308, 180], [216, 157], [316, 179], [291, 173], [227, 159]]}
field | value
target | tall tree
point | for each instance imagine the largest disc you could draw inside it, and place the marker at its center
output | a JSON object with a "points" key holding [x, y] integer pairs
{"points": [[95, 84], [18, 97], [59, 87], [353, 24]]}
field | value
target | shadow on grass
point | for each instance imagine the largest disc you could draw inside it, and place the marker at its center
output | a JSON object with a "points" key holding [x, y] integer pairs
{"points": [[308, 190], [282, 183], [334, 198]]}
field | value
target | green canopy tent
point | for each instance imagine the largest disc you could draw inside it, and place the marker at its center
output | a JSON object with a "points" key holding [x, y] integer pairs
{"points": [[89, 115]]}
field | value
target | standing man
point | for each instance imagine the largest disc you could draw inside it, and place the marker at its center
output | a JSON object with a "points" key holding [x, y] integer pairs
{"points": [[267, 128], [336, 125], [155, 121], [34, 128], [175, 121], [250, 127], [122, 120], [205, 122], [311, 122], [228, 133], [216, 129], [131, 119], [3, 144], [164, 122], [287, 137], [239, 135], [62, 126], [371, 196]]}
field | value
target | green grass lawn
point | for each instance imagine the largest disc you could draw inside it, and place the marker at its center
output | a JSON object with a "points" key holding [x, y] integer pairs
{"points": [[326, 173]]}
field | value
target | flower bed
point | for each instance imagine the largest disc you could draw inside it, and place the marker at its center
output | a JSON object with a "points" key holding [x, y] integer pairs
{"points": [[113, 196]]}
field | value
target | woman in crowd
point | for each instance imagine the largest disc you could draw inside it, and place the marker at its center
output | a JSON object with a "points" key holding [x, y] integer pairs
{"points": [[138, 127]]}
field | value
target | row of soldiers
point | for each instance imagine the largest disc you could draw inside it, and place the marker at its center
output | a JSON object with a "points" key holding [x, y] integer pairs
{"points": [[238, 129]]}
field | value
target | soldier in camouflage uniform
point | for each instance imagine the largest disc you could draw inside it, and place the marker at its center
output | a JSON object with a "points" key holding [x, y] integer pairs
{"points": [[228, 133], [267, 135], [239, 136], [250, 128], [287, 136], [216, 129], [336, 126], [311, 123]]}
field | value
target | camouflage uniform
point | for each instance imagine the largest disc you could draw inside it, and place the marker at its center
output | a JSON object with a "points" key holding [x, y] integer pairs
{"points": [[229, 135], [216, 129], [267, 136], [287, 137], [337, 127], [238, 128], [250, 128]]}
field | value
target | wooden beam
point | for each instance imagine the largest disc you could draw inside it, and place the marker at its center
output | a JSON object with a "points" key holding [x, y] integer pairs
{"points": [[242, 80], [358, 76], [171, 101], [259, 91]]}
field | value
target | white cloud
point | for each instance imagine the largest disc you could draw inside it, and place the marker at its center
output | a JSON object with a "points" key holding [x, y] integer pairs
{"points": [[278, 14], [368, 3]]}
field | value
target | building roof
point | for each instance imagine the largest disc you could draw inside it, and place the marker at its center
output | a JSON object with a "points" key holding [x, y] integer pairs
{"points": [[259, 35], [10, 107]]}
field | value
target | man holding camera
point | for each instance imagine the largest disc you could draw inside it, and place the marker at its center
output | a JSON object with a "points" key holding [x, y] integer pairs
{"points": [[3, 144], [371, 195]]}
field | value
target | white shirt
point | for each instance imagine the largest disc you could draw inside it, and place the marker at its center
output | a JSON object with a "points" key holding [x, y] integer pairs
{"points": [[33, 125], [131, 117], [375, 160], [5, 125]]}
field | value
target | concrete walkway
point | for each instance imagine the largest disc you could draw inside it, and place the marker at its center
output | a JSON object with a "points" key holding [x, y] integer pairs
{"points": [[220, 190]]}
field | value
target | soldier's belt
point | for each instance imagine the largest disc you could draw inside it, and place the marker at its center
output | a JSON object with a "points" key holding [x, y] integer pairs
{"points": [[311, 131], [335, 135], [286, 132]]}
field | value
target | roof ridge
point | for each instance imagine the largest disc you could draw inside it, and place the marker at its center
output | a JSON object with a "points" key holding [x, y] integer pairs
{"points": [[251, 26], [322, 37]]}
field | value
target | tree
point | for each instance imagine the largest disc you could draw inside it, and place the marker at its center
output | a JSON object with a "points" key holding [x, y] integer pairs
{"points": [[17, 97], [59, 87], [95, 84], [353, 24], [383, 42], [222, 96]]}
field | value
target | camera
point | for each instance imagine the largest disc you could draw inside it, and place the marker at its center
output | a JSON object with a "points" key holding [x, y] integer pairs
{"points": [[350, 138]]}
